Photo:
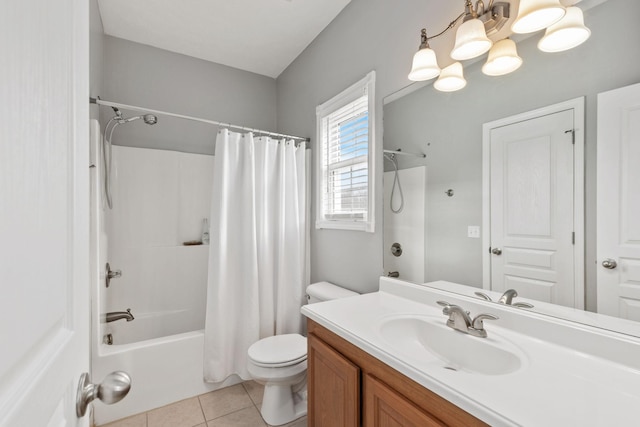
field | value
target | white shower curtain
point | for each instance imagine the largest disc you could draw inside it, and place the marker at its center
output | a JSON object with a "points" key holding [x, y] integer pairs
{"points": [[257, 248]]}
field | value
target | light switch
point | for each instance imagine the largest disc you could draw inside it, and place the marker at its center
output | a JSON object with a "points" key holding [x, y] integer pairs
{"points": [[473, 231]]}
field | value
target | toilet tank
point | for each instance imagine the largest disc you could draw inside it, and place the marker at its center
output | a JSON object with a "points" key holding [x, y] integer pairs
{"points": [[325, 291]]}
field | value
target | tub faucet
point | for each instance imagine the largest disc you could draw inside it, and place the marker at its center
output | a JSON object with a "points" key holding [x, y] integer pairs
{"points": [[117, 315], [460, 320]]}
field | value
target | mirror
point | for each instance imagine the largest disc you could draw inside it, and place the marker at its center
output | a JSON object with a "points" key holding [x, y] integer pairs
{"points": [[447, 243]]}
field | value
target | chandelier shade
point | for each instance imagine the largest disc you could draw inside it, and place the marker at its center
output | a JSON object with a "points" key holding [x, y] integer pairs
{"points": [[451, 78], [503, 59], [471, 40], [425, 65], [479, 25], [565, 34], [534, 15]]}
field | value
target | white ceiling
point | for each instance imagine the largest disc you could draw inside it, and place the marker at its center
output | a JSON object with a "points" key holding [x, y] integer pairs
{"points": [[261, 36]]}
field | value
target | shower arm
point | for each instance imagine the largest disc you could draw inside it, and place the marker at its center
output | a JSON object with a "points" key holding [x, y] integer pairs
{"points": [[404, 153]]}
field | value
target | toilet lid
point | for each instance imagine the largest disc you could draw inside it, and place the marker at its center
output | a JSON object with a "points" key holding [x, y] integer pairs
{"points": [[279, 350]]}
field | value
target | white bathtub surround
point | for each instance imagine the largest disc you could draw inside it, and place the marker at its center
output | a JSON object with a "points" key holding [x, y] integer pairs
{"points": [[407, 226], [159, 201], [257, 254], [566, 373]]}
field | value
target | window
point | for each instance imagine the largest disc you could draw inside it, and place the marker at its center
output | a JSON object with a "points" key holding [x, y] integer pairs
{"points": [[345, 159]]}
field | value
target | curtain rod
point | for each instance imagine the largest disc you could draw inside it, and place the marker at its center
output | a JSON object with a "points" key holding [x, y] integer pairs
{"points": [[404, 153], [195, 119]]}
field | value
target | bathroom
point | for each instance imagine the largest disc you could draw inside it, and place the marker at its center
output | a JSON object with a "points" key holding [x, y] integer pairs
{"points": [[364, 36]]}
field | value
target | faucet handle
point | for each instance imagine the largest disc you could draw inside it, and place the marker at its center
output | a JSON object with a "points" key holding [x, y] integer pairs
{"points": [[522, 305], [483, 296], [478, 322], [443, 303]]}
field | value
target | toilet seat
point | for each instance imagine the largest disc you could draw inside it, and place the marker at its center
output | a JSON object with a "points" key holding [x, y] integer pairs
{"points": [[279, 351]]}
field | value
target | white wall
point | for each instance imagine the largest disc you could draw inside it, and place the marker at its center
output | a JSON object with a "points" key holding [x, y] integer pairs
{"points": [[383, 36]]}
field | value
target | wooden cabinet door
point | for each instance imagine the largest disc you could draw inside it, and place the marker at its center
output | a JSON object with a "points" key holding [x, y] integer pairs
{"points": [[334, 387], [383, 407]]}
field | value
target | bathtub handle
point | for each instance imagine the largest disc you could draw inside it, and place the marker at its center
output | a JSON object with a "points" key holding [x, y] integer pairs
{"points": [[111, 274], [112, 389]]}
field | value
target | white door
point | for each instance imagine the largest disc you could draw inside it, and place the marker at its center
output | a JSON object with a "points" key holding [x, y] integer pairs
{"points": [[532, 206], [44, 217], [619, 202]]}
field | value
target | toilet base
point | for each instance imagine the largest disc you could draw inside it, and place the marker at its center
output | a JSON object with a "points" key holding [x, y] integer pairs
{"points": [[281, 405]]}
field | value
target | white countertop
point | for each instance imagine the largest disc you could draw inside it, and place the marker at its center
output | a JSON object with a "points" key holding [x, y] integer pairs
{"points": [[573, 378]]}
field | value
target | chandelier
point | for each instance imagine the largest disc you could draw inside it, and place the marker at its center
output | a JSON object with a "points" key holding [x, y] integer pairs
{"points": [[565, 29]]}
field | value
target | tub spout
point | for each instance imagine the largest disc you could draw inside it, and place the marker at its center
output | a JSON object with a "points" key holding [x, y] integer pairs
{"points": [[117, 315]]}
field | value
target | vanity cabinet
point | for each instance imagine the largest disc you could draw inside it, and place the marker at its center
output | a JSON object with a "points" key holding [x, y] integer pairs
{"points": [[348, 388]]}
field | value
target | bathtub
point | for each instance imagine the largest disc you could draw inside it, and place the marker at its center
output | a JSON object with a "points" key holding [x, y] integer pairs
{"points": [[163, 370], [149, 326], [166, 196]]}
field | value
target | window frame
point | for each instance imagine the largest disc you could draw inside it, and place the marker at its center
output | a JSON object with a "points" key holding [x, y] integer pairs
{"points": [[365, 86]]}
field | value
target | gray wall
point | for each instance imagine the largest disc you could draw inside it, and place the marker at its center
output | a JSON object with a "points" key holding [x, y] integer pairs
{"points": [[367, 35], [141, 75], [383, 34]]}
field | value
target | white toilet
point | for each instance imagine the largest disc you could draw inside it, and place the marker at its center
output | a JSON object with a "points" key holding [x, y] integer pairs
{"points": [[280, 363]]}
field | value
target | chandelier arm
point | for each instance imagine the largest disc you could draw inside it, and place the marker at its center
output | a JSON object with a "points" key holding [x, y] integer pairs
{"points": [[451, 25]]}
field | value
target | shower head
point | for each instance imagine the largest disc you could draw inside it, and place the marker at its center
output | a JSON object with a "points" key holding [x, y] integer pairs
{"points": [[149, 119]]}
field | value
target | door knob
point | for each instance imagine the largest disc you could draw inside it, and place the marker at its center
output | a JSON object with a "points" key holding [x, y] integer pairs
{"points": [[609, 263], [496, 251], [112, 389]]}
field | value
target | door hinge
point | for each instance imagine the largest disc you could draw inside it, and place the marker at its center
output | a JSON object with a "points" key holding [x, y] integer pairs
{"points": [[573, 135], [573, 237]]}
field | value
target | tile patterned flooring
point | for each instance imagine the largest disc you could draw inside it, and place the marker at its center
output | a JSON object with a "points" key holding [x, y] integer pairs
{"points": [[235, 406]]}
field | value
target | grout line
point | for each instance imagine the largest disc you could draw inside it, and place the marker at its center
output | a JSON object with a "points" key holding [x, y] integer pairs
{"points": [[204, 417]]}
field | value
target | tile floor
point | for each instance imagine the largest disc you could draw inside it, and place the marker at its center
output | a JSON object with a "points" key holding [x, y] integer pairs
{"points": [[235, 406]]}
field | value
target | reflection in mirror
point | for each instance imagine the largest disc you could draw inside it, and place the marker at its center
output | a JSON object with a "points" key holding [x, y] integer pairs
{"points": [[404, 221], [448, 128]]}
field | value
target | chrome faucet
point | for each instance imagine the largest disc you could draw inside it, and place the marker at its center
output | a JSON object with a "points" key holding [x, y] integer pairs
{"points": [[117, 315], [460, 320], [506, 299], [508, 296]]}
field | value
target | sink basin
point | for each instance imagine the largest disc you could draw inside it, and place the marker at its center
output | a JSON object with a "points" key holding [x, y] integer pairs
{"points": [[427, 339]]}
